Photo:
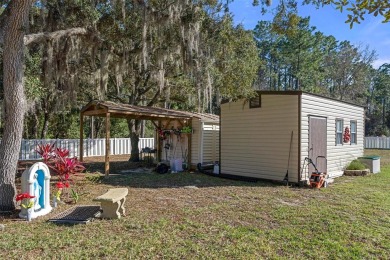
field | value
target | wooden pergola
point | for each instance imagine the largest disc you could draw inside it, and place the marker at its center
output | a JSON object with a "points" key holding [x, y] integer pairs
{"points": [[110, 109]]}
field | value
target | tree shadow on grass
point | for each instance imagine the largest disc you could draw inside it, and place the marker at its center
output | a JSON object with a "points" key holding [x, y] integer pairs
{"points": [[141, 175]]}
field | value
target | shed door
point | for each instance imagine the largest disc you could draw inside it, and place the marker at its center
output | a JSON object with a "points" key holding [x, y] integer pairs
{"points": [[317, 143]]}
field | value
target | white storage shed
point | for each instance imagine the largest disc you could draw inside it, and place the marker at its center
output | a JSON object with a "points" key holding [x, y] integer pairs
{"points": [[267, 136]]}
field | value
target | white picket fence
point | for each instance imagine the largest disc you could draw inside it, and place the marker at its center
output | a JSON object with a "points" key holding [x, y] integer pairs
{"points": [[92, 147], [97, 147], [377, 142]]}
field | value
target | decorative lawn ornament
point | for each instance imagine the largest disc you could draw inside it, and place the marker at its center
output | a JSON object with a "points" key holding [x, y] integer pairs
{"points": [[36, 184]]}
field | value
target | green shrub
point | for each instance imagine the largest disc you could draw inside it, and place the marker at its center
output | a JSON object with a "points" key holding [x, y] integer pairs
{"points": [[356, 165]]}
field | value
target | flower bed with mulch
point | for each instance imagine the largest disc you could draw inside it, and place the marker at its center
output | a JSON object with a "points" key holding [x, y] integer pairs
{"points": [[357, 172]]}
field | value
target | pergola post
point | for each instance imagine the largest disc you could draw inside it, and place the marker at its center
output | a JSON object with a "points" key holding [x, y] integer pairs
{"points": [[158, 142], [81, 145], [107, 157]]}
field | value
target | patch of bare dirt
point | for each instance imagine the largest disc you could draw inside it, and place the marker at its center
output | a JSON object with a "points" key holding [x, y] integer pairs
{"points": [[118, 164]]}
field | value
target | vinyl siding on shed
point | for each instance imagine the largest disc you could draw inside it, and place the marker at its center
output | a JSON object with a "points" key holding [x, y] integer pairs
{"points": [[255, 142], [195, 141], [204, 142], [338, 156], [210, 145]]}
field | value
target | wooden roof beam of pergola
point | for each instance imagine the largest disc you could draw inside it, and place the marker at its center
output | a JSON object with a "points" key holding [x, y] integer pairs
{"points": [[131, 115], [99, 112]]}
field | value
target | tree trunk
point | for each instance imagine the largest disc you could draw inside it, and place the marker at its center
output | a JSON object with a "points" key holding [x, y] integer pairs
{"points": [[135, 131], [31, 122], [143, 126], [14, 100], [45, 127], [34, 130]]}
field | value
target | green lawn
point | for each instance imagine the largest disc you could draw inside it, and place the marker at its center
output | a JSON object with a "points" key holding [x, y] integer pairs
{"points": [[219, 219]]}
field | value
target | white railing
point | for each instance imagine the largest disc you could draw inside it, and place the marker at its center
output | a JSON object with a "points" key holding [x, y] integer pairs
{"points": [[377, 142], [92, 147]]}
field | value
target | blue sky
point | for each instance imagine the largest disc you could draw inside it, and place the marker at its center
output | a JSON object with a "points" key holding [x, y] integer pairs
{"points": [[371, 31]]}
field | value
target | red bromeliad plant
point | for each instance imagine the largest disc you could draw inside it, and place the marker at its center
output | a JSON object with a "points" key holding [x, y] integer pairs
{"points": [[46, 151], [59, 152], [65, 167], [58, 161]]}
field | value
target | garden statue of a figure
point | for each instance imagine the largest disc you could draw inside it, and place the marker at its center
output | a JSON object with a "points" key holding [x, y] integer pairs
{"points": [[36, 182], [37, 192]]}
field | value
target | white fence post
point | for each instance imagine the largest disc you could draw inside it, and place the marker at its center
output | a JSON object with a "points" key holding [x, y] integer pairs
{"points": [[92, 147]]}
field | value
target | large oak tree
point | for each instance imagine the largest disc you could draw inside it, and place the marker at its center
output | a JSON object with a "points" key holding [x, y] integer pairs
{"points": [[141, 52], [14, 21], [13, 27]]}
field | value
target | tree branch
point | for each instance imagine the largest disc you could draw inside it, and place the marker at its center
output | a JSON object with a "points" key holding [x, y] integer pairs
{"points": [[39, 37], [145, 89], [154, 99]]}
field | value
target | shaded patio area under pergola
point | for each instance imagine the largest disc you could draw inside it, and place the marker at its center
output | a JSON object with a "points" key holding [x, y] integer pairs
{"points": [[110, 110]]}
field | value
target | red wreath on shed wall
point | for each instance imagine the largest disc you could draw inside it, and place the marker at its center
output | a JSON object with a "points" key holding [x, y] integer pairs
{"points": [[346, 135]]}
